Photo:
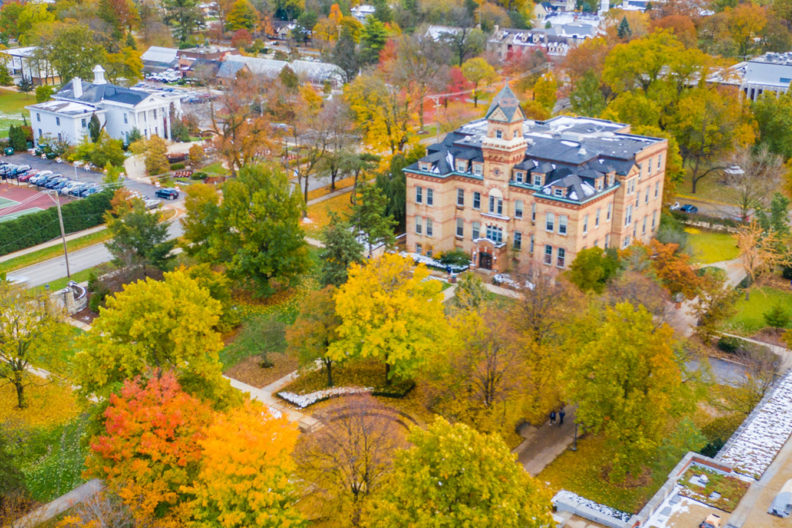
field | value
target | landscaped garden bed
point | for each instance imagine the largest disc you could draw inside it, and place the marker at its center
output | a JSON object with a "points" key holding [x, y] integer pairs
{"points": [[716, 489]]}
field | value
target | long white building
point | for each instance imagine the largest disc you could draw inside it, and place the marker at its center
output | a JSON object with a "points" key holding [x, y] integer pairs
{"points": [[119, 110]]}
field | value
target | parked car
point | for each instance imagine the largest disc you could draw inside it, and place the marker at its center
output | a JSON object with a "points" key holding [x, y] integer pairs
{"points": [[66, 189], [23, 168], [52, 182], [689, 208], [61, 184], [42, 178], [76, 189], [89, 190], [28, 175], [168, 194], [152, 203]]}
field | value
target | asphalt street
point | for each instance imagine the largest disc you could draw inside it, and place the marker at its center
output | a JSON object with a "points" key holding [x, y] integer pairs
{"points": [[82, 259]]}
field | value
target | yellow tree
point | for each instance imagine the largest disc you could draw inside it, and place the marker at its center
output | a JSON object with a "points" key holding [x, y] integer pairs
{"points": [[476, 71], [168, 324], [627, 383], [745, 22], [29, 333], [389, 311], [314, 330], [381, 111], [245, 477], [759, 250], [545, 91]]}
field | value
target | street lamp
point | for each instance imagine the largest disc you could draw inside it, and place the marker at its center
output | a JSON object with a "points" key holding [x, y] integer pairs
{"points": [[56, 199], [573, 447]]}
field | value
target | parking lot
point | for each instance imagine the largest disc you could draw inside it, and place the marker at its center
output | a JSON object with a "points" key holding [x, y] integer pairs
{"points": [[70, 171]]}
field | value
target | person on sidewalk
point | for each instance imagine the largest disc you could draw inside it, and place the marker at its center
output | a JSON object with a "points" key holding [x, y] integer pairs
{"points": [[561, 415], [552, 417]]}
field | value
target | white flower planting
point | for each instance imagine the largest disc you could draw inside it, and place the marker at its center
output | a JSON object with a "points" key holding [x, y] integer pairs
{"points": [[304, 400]]}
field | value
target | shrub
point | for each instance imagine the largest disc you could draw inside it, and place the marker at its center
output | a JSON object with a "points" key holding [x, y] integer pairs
{"points": [[198, 175], [177, 166], [776, 317], [730, 345], [455, 257]]}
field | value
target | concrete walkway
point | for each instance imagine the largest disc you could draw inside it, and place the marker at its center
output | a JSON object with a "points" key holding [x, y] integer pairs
{"points": [[61, 504], [266, 395], [54, 242], [784, 353], [544, 443], [328, 196]]}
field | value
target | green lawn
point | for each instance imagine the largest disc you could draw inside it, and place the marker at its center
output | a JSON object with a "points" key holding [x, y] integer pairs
{"points": [[12, 108], [709, 246], [215, 169], [749, 318], [80, 276], [709, 188], [53, 251]]}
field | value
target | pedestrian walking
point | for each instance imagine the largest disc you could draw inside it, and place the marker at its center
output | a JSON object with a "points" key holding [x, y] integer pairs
{"points": [[552, 417], [561, 415]]}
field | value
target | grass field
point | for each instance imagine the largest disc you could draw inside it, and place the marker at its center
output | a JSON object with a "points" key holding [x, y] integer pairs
{"points": [[749, 318], [709, 188], [53, 251], [12, 108], [319, 214], [708, 246]]}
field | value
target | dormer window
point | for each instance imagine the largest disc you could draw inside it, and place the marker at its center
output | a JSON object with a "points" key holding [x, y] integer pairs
{"points": [[461, 166], [518, 176], [537, 180], [558, 192], [424, 166], [610, 179], [599, 184], [477, 169]]}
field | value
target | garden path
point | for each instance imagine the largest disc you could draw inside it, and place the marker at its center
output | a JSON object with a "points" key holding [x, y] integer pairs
{"points": [[61, 504], [544, 443], [266, 395]]}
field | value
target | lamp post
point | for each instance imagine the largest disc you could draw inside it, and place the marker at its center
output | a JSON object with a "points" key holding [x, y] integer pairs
{"points": [[573, 447], [63, 233]]}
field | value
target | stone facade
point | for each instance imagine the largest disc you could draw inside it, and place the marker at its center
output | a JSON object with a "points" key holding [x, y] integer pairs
{"points": [[521, 196]]}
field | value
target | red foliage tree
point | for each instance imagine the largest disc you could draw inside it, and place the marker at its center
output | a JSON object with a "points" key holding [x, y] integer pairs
{"points": [[241, 38]]}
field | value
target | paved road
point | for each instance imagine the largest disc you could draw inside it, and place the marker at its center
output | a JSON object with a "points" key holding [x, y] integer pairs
{"points": [[82, 259], [712, 209]]}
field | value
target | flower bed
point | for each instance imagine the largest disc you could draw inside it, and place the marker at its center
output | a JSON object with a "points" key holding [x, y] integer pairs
{"points": [[305, 400]]}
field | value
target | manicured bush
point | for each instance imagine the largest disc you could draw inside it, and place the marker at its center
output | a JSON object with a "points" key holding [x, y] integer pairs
{"points": [[776, 317], [198, 175], [177, 166], [455, 257], [36, 228], [730, 345]]}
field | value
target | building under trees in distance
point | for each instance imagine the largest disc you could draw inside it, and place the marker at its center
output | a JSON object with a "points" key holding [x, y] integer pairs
{"points": [[526, 195]]}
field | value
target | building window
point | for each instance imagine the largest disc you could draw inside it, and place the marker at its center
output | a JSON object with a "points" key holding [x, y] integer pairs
{"points": [[599, 184], [631, 186], [419, 195], [562, 224], [429, 196], [607, 241], [649, 166], [628, 215], [57, 120], [654, 219], [418, 229], [498, 134], [429, 227], [38, 117], [558, 192], [548, 256], [657, 189], [126, 119], [646, 196], [476, 230], [476, 200], [477, 169], [460, 227], [537, 180], [495, 205], [460, 198], [82, 122], [643, 229], [659, 161], [531, 247], [610, 210], [637, 198], [418, 248], [585, 224], [596, 218], [626, 241], [561, 256], [517, 240], [495, 234], [41, 134], [155, 113], [533, 212], [461, 166], [550, 222], [518, 176], [518, 209]]}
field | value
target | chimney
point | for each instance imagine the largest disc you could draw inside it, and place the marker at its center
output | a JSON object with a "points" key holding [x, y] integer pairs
{"points": [[98, 72], [77, 89]]}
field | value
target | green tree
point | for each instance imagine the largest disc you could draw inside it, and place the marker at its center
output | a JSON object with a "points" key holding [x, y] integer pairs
{"points": [[242, 16], [43, 92], [593, 268], [94, 128], [345, 54], [624, 32], [372, 40], [341, 248], [168, 325], [470, 293], [16, 138], [185, 14], [454, 476], [315, 328], [370, 219], [5, 77], [587, 99], [388, 311], [202, 202], [255, 232], [775, 219], [30, 333], [773, 115], [139, 235], [776, 317], [70, 48], [627, 383], [476, 71]]}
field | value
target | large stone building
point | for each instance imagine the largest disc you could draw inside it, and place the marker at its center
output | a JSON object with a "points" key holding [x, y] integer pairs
{"points": [[525, 195]]}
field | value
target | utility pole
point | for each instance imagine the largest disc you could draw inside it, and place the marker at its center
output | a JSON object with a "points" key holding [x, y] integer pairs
{"points": [[63, 234]]}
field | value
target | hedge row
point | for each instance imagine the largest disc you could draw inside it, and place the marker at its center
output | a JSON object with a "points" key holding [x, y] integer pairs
{"points": [[35, 228]]}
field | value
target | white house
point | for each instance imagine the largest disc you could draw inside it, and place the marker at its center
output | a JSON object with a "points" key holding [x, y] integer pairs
{"points": [[119, 110], [22, 63], [771, 72]]}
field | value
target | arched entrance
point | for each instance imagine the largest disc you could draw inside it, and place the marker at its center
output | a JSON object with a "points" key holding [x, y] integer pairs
{"points": [[485, 260]]}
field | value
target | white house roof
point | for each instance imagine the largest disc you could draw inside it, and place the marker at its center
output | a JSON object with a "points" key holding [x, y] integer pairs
{"points": [[771, 74], [70, 108], [317, 72], [160, 55], [20, 52]]}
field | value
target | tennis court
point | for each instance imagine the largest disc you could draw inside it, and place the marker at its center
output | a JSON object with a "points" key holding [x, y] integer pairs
{"points": [[16, 201]]}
